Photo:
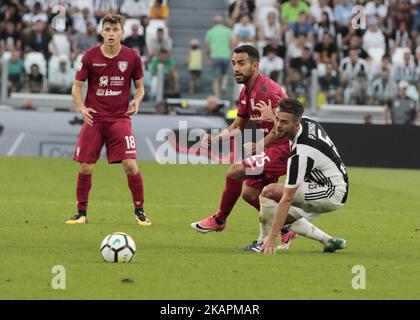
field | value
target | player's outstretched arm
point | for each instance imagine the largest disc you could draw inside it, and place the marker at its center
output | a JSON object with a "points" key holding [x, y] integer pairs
{"points": [[138, 97], [76, 92], [236, 127]]}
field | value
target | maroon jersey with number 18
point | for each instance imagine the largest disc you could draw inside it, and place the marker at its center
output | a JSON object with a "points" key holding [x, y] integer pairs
{"points": [[109, 82]]}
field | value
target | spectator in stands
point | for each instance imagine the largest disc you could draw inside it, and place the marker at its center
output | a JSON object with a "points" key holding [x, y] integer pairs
{"points": [[83, 20], [39, 39], [136, 41], [161, 41], [16, 72], [368, 118], [407, 71], [302, 26], [356, 43], [135, 8], [34, 80], [325, 26], [218, 51], [171, 86], [329, 84], [195, 64], [11, 12], [159, 11], [326, 50], [374, 39], [161, 108], [269, 29], [213, 108], [401, 13], [28, 105], [272, 66], [317, 9], [240, 8], [36, 14], [299, 73], [401, 109], [103, 7], [342, 15], [400, 37], [376, 9], [295, 47], [355, 91], [351, 66], [291, 10], [243, 32], [10, 38], [382, 88], [62, 80], [81, 42]]}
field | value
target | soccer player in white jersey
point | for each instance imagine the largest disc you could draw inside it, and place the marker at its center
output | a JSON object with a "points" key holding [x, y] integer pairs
{"points": [[316, 181]]}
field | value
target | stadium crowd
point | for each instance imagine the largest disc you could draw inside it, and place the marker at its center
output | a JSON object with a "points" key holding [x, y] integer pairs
{"points": [[359, 59]]}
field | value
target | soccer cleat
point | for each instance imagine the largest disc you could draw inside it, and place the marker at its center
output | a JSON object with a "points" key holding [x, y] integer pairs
{"points": [[211, 223], [77, 219], [335, 244], [255, 246], [143, 220], [286, 240]]}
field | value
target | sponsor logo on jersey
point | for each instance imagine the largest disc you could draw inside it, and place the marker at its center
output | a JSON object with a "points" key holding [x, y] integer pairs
{"points": [[107, 92], [103, 81], [122, 65], [117, 81], [99, 64]]}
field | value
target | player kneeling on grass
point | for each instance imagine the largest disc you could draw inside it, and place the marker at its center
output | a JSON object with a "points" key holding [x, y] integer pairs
{"points": [[316, 181], [109, 69]]}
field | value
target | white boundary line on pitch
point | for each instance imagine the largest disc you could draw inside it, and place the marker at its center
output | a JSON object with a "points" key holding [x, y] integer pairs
{"points": [[16, 144]]}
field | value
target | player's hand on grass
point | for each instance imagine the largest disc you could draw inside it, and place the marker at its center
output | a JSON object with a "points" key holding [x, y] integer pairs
{"points": [[87, 116], [133, 108], [266, 112], [269, 245]]}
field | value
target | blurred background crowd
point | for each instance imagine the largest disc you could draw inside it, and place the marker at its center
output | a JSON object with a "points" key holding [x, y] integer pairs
{"points": [[363, 52]]}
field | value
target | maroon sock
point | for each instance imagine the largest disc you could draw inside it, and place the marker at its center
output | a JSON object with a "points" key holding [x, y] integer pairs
{"points": [[230, 195], [255, 203], [84, 183], [135, 184]]}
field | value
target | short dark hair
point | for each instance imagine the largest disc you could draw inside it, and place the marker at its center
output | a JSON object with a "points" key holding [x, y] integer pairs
{"points": [[113, 19], [293, 106], [250, 50]]}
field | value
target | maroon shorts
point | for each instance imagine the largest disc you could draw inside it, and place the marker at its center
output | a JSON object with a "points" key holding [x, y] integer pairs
{"points": [[117, 136], [266, 167]]}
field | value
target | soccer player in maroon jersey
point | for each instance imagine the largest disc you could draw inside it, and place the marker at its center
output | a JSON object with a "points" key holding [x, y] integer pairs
{"points": [[109, 70], [268, 165]]}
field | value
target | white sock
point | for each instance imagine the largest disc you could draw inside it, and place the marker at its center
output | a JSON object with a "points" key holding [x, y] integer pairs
{"points": [[268, 209], [307, 229]]}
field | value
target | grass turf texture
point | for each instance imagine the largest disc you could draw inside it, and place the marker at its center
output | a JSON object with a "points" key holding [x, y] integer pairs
{"points": [[175, 262]]}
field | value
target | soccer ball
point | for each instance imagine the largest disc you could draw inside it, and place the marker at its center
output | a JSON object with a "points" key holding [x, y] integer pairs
{"points": [[118, 247]]}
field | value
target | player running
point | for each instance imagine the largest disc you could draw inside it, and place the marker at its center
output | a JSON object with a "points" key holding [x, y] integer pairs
{"points": [[316, 181], [109, 69], [265, 167]]}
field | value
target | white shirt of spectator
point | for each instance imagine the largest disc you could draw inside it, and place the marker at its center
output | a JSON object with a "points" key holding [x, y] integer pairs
{"points": [[267, 66], [32, 18], [244, 31], [105, 5], [62, 78], [316, 11], [271, 32], [374, 40], [265, 3], [372, 10], [133, 8], [80, 24], [350, 71]]}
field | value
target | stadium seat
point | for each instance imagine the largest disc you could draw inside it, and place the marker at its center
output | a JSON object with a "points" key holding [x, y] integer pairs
{"points": [[77, 62], [153, 26], [35, 58], [62, 42], [54, 64]]}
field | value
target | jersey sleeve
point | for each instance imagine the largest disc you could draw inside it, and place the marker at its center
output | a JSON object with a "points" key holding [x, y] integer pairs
{"points": [[242, 108], [138, 67], [85, 66], [296, 169]]}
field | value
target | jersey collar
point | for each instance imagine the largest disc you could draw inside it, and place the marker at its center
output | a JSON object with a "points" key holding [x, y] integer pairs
{"points": [[294, 141]]}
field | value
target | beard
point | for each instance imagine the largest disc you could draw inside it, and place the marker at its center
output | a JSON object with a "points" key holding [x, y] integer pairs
{"points": [[244, 79]]}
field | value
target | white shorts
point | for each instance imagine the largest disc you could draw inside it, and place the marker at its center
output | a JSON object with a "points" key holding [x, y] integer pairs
{"points": [[315, 199]]}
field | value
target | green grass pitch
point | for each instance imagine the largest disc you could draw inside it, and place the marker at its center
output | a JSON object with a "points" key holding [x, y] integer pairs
{"points": [[381, 222]]}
